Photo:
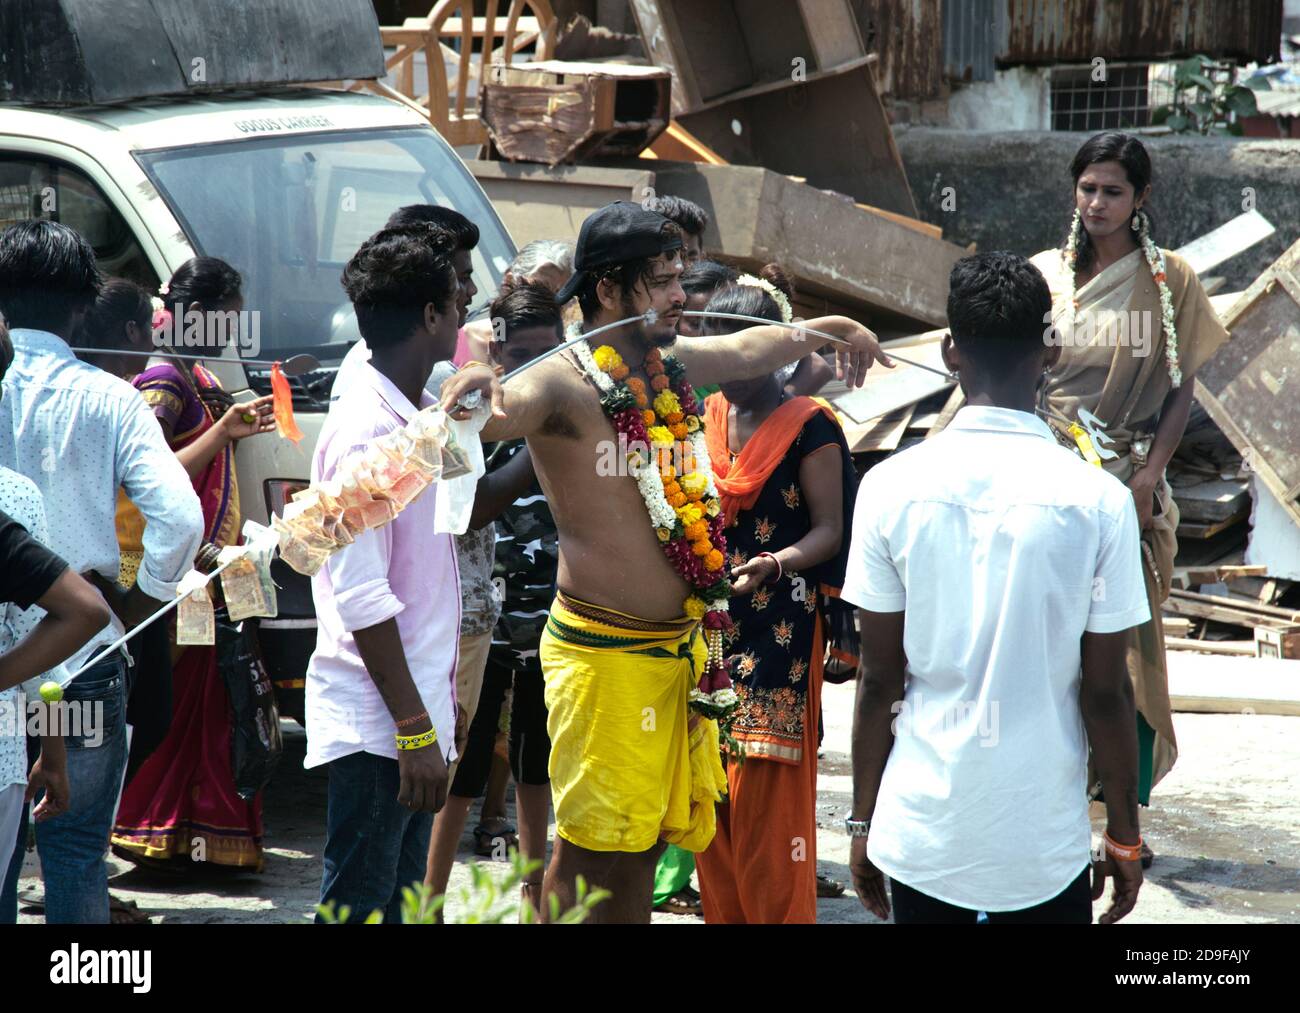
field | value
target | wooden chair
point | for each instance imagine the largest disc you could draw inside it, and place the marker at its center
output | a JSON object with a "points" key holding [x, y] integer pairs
{"points": [[447, 100]]}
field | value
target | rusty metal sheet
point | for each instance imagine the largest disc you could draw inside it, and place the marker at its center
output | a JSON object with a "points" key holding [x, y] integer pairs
{"points": [[1077, 31], [907, 35], [973, 31]]}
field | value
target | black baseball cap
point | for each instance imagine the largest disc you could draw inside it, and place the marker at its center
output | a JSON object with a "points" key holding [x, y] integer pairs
{"points": [[615, 234]]}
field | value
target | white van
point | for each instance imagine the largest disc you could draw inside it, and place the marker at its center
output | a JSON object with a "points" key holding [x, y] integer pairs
{"points": [[284, 185]]}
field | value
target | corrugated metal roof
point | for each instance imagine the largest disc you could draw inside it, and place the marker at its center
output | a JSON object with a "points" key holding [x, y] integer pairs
{"points": [[1283, 100], [1078, 31], [973, 31], [907, 37]]}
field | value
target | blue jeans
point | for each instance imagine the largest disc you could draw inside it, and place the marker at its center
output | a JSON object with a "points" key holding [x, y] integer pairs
{"points": [[374, 845], [72, 846]]}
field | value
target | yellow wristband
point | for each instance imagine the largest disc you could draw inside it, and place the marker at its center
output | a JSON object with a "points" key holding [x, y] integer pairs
{"points": [[417, 741]]}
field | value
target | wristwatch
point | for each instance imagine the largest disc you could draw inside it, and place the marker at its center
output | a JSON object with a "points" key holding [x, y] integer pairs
{"points": [[857, 828]]}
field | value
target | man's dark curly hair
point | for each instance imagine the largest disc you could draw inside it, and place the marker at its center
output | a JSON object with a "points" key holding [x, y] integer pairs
{"points": [[686, 215], [47, 273], [394, 275]]}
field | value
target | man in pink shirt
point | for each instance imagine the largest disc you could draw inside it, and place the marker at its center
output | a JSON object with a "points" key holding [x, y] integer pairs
{"points": [[381, 707]]}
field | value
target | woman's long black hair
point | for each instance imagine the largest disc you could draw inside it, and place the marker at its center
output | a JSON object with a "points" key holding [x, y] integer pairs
{"points": [[206, 280], [1111, 146]]}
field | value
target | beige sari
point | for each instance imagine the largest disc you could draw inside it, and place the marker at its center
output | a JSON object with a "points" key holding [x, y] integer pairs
{"points": [[1113, 378]]}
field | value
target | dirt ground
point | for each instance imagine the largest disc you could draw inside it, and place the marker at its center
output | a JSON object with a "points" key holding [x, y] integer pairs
{"points": [[1225, 828]]}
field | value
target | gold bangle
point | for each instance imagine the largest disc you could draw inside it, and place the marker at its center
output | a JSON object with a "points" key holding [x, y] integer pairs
{"points": [[417, 741]]}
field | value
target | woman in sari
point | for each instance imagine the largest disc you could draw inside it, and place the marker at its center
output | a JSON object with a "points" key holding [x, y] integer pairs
{"points": [[786, 480], [1135, 326], [181, 803]]}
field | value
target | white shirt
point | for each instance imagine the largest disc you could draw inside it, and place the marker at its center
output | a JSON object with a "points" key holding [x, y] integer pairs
{"points": [[1002, 548], [21, 500], [403, 569], [349, 369], [79, 433]]}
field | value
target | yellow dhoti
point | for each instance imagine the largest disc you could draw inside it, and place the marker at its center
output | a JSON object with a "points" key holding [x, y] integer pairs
{"points": [[625, 769]]}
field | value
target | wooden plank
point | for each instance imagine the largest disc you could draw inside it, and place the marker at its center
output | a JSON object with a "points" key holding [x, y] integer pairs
{"points": [[887, 390], [1208, 529], [538, 201], [883, 433], [1213, 685], [895, 276], [1237, 604], [803, 129], [950, 409], [1234, 237], [832, 31], [1176, 626], [783, 84], [1215, 500], [1239, 648], [934, 231], [1242, 570], [677, 144], [664, 42]]}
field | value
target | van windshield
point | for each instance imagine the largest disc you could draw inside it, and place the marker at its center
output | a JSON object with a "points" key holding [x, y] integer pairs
{"points": [[289, 212]]}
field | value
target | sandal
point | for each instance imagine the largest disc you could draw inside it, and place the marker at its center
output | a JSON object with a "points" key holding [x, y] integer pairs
{"points": [[827, 887], [487, 841], [685, 901], [120, 912]]}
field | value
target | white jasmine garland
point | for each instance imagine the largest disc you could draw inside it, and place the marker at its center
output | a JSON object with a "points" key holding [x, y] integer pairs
{"points": [[1156, 262], [778, 297], [648, 480], [1155, 259]]}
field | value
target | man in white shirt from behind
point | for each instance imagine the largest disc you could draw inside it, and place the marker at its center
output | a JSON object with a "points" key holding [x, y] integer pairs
{"points": [[997, 571]]}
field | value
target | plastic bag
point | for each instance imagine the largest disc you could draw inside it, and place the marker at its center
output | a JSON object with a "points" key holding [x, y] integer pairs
{"points": [[255, 744]]}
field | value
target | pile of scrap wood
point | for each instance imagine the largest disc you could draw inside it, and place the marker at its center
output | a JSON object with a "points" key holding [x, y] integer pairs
{"points": [[1236, 477]]}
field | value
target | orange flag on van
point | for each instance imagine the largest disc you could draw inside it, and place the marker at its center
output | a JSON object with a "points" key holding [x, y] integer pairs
{"points": [[282, 403]]}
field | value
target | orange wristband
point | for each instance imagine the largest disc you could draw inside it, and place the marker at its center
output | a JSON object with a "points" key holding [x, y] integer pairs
{"points": [[1122, 852]]}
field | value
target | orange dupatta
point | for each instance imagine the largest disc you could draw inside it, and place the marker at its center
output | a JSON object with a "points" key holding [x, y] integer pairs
{"points": [[740, 481]]}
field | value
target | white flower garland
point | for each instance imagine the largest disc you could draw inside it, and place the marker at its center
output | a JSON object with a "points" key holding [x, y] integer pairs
{"points": [[648, 480], [778, 297], [1155, 259]]}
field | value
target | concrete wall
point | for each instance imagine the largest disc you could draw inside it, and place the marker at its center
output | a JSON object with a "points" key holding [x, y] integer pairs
{"points": [[1012, 190]]}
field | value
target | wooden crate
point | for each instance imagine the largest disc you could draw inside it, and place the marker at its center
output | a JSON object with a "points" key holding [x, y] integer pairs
{"points": [[1281, 641], [722, 49], [560, 113], [1251, 388]]}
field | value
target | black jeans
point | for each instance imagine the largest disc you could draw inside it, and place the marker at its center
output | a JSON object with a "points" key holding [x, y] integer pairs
{"points": [[1072, 906]]}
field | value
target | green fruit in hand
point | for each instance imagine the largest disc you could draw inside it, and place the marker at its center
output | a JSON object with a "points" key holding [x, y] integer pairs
{"points": [[250, 418], [51, 692]]}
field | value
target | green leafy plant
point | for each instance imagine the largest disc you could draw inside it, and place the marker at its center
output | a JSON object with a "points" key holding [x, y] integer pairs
{"points": [[1203, 105], [487, 900]]}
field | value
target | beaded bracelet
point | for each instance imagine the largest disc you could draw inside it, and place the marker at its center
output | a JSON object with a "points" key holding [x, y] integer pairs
{"points": [[417, 741], [407, 722], [1122, 852]]}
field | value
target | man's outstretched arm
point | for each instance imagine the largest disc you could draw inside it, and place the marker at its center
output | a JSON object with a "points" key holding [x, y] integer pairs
{"points": [[518, 408], [757, 351]]}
